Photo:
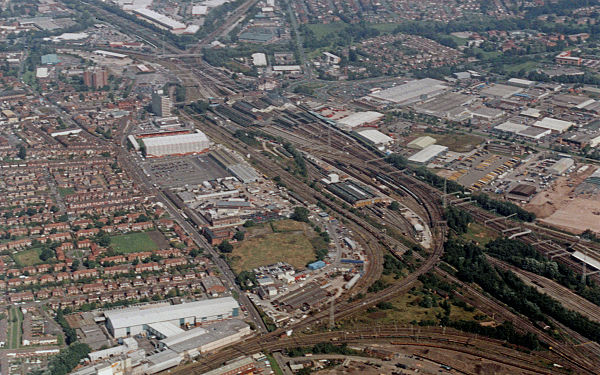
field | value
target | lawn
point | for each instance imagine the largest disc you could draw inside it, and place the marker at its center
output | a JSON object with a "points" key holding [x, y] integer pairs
{"points": [[133, 243], [28, 257], [263, 246], [14, 328], [65, 191], [322, 29], [274, 365], [527, 66], [456, 142]]}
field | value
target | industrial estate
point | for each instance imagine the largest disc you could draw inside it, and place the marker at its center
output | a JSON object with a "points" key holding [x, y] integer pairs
{"points": [[299, 187]]}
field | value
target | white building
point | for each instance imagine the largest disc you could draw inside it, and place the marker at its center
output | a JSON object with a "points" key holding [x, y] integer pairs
{"points": [[135, 320], [376, 137], [411, 92], [555, 125], [181, 144], [359, 119], [428, 153], [259, 59]]}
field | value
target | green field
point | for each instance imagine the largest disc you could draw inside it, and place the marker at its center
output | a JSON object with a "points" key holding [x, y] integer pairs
{"points": [[456, 142], [28, 257], [321, 29], [274, 365], [527, 66], [15, 319], [65, 191], [132, 243], [263, 246], [480, 234]]}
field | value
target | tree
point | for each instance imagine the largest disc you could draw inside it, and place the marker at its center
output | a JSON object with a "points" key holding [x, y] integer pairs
{"points": [[394, 206], [225, 247], [300, 214], [46, 254], [22, 152], [239, 236], [75, 265]]}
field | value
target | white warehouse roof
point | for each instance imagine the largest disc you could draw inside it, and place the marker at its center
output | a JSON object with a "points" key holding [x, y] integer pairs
{"points": [[412, 91], [359, 118], [160, 18], [175, 139], [259, 59], [375, 136], [553, 124], [199, 10], [136, 316], [421, 142], [428, 153], [511, 127]]}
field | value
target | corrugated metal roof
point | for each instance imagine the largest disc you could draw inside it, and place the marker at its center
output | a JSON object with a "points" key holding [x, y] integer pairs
{"points": [[171, 139], [131, 317]]}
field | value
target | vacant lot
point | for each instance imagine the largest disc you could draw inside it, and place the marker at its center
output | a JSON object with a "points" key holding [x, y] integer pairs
{"points": [[28, 257], [456, 142], [133, 242], [263, 246]]}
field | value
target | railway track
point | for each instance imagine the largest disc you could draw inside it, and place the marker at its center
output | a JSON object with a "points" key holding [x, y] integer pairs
{"points": [[421, 337]]}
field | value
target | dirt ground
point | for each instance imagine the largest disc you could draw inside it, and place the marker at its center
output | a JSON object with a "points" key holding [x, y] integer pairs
{"points": [[561, 207]]}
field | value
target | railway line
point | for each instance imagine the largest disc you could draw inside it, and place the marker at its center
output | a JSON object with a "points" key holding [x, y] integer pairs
{"points": [[422, 337]]}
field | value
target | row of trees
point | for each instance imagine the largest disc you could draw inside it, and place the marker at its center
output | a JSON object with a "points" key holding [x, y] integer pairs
{"points": [[472, 266]]}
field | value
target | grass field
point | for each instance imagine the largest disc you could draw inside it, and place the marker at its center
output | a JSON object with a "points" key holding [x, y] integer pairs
{"points": [[274, 365], [65, 191], [321, 29], [479, 234], [132, 243], [15, 319], [456, 142], [405, 310], [28, 257], [527, 66], [264, 246]]}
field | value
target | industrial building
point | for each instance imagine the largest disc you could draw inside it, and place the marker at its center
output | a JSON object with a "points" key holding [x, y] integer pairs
{"points": [[555, 125], [176, 144], [411, 92], [561, 166], [375, 137], [450, 106], [356, 194], [521, 130], [421, 142], [160, 19], [135, 320], [259, 59], [427, 154], [518, 82], [359, 119], [499, 91]]}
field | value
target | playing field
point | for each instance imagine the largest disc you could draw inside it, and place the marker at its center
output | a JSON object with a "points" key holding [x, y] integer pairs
{"points": [[133, 243]]}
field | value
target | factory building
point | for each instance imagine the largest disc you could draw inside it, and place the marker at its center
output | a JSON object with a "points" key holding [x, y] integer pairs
{"points": [[555, 125], [375, 137], [427, 154], [135, 320], [368, 118], [561, 166], [160, 19], [421, 142], [411, 92], [176, 144]]}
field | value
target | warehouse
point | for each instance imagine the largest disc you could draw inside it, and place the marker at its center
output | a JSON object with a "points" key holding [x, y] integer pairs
{"points": [[500, 91], [375, 136], [411, 92], [522, 192], [160, 19], [428, 153], [518, 82], [135, 320], [534, 133], [510, 127], [359, 119], [259, 59], [561, 166], [200, 340], [556, 126], [181, 144], [421, 142]]}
